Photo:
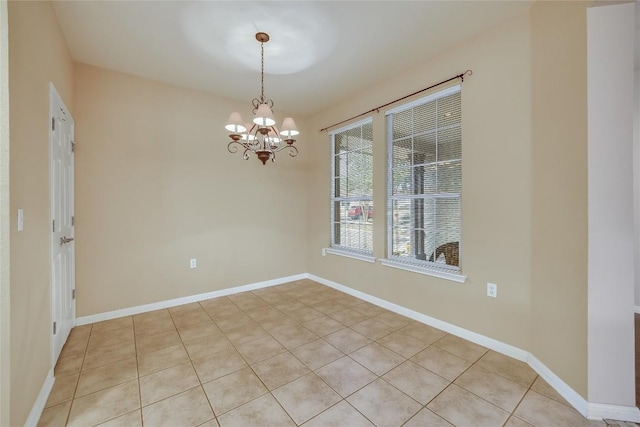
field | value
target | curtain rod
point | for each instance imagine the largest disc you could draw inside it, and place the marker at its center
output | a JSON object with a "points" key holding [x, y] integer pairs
{"points": [[377, 109]]}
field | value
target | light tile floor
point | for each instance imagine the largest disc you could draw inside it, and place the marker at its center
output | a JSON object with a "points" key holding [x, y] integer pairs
{"points": [[298, 354]]}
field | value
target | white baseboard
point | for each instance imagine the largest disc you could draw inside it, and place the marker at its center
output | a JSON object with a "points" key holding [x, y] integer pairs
{"points": [[598, 411], [569, 394], [84, 320], [482, 340], [41, 400], [579, 403], [590, 410]]}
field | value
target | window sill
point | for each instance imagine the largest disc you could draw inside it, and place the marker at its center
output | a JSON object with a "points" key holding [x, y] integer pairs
{"points": [[448, 275], [354, 255]]}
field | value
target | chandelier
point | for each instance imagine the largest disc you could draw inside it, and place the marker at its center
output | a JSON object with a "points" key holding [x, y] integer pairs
{"points": [[261, 137]]}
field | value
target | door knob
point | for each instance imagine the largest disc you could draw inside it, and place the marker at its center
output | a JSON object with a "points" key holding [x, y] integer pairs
{"points": [[65, 239]]}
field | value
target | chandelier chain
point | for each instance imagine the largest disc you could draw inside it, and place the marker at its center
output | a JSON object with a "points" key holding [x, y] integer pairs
{"points": [[262, 71]]}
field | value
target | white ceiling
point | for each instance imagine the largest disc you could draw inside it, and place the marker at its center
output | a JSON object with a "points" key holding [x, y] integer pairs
{"points": [[320, 51]]}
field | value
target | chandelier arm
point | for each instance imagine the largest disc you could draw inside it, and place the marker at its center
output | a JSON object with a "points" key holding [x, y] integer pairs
{"points": [[233, 149], [293, 151]]}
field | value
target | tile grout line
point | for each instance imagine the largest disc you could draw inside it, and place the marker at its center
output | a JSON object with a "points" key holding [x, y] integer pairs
{"points": [[270, 392], [75, 390], [170, 367], [215, 416], [342, 399], [98, 367], [444, 389], [243, 310], [307, 299], [115, 385], [171, 315], [512, 415], [480, 397], [135, 349], [292, 354]]}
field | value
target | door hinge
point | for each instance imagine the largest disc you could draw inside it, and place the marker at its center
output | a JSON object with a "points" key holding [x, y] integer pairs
{"points": [[73, 221], [53, 123], [73, 294], [54, 226], [55, 328], [73, 147]]}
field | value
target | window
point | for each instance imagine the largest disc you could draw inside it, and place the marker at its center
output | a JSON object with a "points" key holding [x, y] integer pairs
{"points": [[425, 181], [352, 188]]}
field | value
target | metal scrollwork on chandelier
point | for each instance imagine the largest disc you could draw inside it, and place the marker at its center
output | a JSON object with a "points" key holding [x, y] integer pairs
{"points": [[261, 137]]}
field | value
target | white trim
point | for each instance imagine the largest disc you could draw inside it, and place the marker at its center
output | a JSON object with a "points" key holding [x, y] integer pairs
{"points": [[5, 223], [636, 309], [353, 125], [455, 277], [349, 199], [598, 411], [570, 395], [592, 410], [56, 103], [482, 340], [84, 320], [354, 255], [41, 400]]}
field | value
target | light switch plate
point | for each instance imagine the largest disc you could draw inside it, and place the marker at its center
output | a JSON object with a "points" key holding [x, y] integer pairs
{"points": [[20, 220]]}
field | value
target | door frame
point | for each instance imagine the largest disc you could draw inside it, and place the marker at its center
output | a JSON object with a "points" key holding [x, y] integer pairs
{"points": [[5, 223], [55, 100]]}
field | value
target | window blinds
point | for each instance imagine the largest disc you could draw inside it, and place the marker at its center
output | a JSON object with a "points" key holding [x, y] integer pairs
{"points": [[352, 188], [425, 180]]}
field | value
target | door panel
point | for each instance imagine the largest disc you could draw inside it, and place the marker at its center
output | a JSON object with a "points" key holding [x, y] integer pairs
{"points": [[63, 234]]}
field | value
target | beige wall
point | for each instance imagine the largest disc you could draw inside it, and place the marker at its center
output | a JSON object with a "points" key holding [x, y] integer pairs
{"points": [[559, 190], [496, 198], [37, 55], [155, 186], [524, 190]]}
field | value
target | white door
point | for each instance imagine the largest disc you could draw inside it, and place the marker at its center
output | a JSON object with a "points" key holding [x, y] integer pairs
{"points": [[63, 309]]}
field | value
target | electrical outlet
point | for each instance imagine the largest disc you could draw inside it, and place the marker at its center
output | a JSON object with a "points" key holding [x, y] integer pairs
{"points": [[492, 290], [193, 263]]}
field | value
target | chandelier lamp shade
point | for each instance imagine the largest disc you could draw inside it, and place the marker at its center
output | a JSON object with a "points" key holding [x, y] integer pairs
{"points": [[261, 136]]}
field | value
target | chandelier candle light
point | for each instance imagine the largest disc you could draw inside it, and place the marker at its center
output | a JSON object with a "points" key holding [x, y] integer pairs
{"points": [[262, 136]]}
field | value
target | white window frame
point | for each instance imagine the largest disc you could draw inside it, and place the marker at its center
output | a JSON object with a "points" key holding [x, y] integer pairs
{"points": [[334, 248], [443, 271]]}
